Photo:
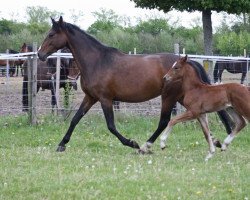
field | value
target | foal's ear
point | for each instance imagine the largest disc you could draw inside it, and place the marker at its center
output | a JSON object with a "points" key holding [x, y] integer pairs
{"points": [[184, 59]]}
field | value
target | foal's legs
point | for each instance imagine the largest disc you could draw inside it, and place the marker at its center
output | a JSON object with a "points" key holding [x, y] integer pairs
{"points": [[86, 104], [240, 123], [180, 118], [107, 108], [204, 125], [166, 109]]}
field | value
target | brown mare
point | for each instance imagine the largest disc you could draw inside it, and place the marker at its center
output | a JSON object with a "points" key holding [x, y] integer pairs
{"points": [[107, 74], [200, 98]]}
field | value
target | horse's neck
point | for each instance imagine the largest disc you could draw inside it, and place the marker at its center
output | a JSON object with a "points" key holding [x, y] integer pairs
{"points": [[190, 80], [84, 52]]}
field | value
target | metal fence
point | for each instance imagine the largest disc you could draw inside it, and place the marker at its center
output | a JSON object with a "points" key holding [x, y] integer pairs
{"points": [[11, 89]]}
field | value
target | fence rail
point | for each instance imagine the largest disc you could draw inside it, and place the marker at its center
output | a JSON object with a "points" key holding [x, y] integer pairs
{"points": [[149, 107]]}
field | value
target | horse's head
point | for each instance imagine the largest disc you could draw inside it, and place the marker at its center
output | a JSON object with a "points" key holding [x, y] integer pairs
{"points": [[26, 48], [55, 39], [176, 72]]}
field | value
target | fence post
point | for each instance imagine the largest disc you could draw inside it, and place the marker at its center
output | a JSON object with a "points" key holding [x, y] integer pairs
{"points": [[176, 48], [208, 66], [7, 67], [32, 85], [58, 67], [29, 74]]}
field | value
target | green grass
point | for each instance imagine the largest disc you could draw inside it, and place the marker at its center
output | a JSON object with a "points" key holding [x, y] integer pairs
{"points": [[97, 166]]}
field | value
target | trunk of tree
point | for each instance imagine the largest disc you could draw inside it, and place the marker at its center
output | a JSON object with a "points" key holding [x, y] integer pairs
{"points": [[207, 31]]}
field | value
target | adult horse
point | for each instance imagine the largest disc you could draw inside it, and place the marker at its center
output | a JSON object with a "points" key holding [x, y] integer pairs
{"points": [[234, 67], [46, 76], [107, 74], [208, 98], [12, 64]]}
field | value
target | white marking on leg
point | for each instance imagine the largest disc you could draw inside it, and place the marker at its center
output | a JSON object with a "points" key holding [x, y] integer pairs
{"points": [[164, 136], [145, 148], [227, 141], [211, 148]]}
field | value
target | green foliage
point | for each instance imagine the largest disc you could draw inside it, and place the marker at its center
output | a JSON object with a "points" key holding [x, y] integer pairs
{"points": [[232, 43], [152, 26], [106, 21], [229, 6], [151, 35]]}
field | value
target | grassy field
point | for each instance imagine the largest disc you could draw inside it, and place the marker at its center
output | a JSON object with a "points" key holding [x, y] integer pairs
{"points": [[96, 166]]}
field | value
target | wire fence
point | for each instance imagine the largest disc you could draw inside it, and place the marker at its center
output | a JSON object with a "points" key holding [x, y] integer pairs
{"points": [[11, 89]]}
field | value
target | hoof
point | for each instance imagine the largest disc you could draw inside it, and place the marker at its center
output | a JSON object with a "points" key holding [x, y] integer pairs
{"points": [[61, 148], [134, 144], [162, 148], [217, 143], [142, 152]]}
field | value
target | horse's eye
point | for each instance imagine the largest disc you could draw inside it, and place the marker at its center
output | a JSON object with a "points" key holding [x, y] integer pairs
{"points": [[51, 35]]}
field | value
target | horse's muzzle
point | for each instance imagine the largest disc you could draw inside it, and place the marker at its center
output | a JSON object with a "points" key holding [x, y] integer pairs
{"points": [[41, 56], [167, 78]]}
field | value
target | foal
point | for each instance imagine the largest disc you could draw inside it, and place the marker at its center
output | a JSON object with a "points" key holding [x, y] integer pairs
{"points": [[200, 98]]}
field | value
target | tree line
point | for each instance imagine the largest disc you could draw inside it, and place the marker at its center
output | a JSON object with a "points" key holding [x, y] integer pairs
{"points": [[150, 35]]}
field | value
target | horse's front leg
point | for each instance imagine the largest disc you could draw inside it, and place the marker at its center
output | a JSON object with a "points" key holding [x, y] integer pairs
{"points": [[166, 109], [188, 115], [86, 104], [107, 108], [204, 124]]}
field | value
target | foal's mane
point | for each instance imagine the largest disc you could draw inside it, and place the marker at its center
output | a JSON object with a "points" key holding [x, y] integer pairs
{"points": [[200, 71]]}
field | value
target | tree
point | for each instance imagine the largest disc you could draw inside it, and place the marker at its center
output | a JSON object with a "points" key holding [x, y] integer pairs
{"points": [[39, 18], [152, 26], [204, 6], [106, 21]]}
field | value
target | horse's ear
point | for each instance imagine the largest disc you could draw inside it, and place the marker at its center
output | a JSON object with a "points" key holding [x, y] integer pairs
{"points": [[184, 59], [53, 21], [60, 21]]}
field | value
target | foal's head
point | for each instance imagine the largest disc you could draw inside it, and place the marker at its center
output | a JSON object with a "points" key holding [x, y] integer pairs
{"points": [[55, 39], [177, 71]]}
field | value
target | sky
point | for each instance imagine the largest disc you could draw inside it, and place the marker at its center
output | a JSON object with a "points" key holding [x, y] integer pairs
{"points": [[15, 9]]}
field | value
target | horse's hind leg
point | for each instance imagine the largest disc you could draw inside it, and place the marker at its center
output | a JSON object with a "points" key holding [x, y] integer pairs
{"points": [[53, 100], [243, 77], [107, 108], [204, 125], [87, 103], [240, 123]]}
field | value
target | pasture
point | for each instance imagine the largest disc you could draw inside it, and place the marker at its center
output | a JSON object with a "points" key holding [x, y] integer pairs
{"points": [[97, 166]]}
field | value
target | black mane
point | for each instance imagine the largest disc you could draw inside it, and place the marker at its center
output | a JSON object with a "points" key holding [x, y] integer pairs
{"points": [[202, 74], [71, 28]]}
